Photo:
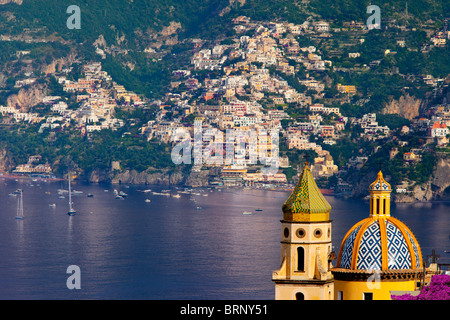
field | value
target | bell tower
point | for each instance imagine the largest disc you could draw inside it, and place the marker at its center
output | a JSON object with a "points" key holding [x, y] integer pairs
{"points": [[306, 253], [380, 197]]}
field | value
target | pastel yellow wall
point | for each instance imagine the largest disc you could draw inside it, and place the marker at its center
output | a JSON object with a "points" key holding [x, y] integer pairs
{"points": [[354, 290], [313, 245], [288, 291], [315, 280]]}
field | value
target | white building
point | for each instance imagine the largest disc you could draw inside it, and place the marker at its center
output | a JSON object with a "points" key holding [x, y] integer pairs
{"points": [[322, 26], [439, 130]]}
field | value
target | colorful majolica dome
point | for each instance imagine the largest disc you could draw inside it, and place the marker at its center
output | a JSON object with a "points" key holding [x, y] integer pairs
{"points": [[379, 242], [306, 202]]}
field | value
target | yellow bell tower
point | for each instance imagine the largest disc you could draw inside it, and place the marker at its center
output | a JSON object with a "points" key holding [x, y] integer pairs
{"points": [[305, 273]]}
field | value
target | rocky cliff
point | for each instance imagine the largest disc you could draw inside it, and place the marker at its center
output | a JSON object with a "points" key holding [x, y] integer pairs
{"points": [[441, 179], [19, 2], [407, 107], [161, 177], [155, 177], [202, 178], [58, 64], [436, 188], [143, 178], [28, 97], [5, 163], [167, 36]]}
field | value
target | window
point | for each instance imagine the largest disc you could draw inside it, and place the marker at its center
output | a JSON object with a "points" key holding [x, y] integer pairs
{"points": [[368, 296], [317, 233], [299, 296], [300, 233], [286, 232], [300, 259], [340, 295], [378, 206]]}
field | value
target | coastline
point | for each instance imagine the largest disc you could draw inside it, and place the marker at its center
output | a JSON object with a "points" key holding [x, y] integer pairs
{"points": [[29, 177], [270, 187]]}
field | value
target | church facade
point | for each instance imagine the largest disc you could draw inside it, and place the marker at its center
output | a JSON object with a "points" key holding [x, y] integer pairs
{"points": [[378, 255]]}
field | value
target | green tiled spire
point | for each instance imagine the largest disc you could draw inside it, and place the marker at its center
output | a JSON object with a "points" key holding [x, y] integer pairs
{"points": [[306, 199]]}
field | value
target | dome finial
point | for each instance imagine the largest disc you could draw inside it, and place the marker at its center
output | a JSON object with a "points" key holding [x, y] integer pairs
{"points": [[380, 174], [380, 184], [306, 159], [380, 163]]}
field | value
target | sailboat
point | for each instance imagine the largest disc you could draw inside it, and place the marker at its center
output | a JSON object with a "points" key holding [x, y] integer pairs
{"points": [[19, 214], [71, 209]]}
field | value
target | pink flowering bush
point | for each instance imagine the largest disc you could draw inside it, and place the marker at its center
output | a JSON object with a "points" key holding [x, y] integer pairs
{"points": [[439, 289]]}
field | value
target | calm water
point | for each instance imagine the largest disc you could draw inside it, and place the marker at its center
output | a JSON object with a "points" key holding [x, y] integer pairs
{"points": [[165, 249]]}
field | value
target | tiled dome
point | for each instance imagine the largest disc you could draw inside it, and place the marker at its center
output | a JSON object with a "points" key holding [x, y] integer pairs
{"points": [[379, 244], [306, 202]]}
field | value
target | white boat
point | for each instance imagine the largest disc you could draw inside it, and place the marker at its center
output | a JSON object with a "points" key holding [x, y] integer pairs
{"points": [[52, 205], [148, 200], [19, 214], [122, 194], [71, 211], [147, 190], [176, 196], [165, 194], [247, 212]]}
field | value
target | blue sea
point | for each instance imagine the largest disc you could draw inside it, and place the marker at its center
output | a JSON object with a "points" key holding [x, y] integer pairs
{"points": [[199, 246]]}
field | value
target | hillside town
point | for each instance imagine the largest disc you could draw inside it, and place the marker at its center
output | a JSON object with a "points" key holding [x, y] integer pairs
{"points": [[248, 90]]}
